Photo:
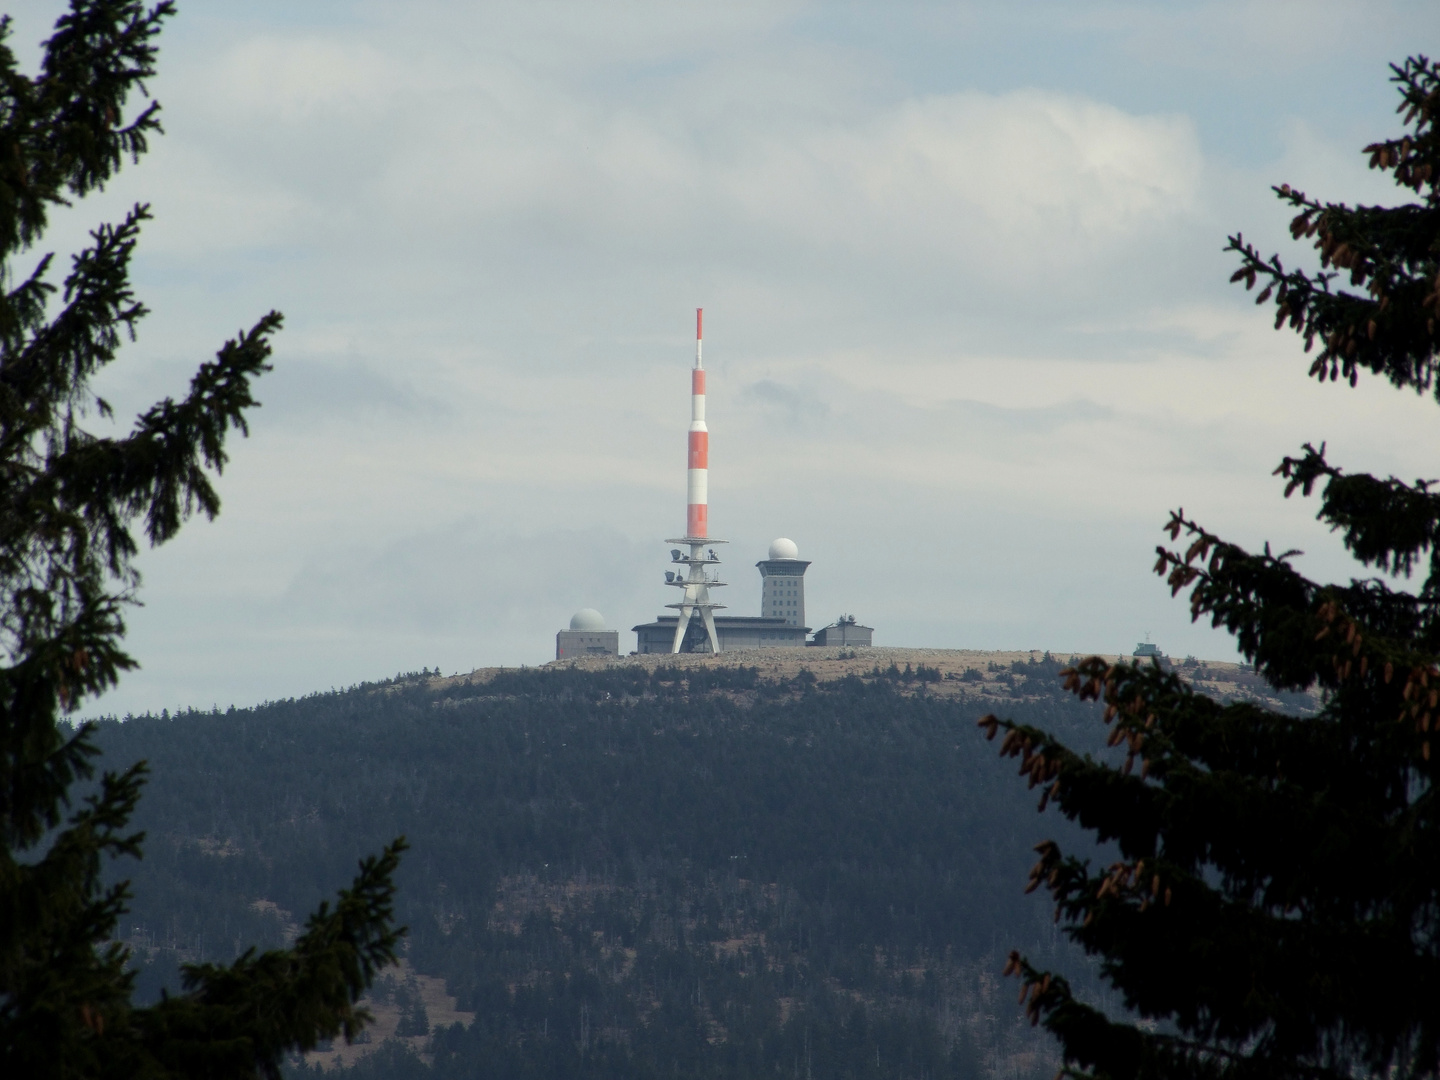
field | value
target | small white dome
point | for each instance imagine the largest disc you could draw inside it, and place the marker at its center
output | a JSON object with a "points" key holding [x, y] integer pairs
{"points": [[587, 618], [784, 549]]}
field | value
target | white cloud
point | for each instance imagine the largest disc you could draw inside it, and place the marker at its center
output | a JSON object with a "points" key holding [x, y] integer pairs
{"points": [[334, 137], [1015, 183], [304, 79]]}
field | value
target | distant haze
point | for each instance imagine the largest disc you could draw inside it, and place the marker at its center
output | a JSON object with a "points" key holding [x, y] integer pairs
{"points": [[968, 325]]}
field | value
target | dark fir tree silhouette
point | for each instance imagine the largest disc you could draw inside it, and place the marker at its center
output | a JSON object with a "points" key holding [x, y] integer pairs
{"points": [[69, 500], [1273, 909]]}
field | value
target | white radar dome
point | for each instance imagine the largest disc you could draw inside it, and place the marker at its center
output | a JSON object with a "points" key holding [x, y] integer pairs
{"points": [[784, 549], [587, 618]]}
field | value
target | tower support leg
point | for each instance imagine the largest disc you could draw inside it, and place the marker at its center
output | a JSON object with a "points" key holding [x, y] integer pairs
{"points": [[709, 618], [681, 626]]}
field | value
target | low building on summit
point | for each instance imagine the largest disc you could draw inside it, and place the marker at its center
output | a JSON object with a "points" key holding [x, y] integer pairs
{"points": [[734, 632], [844, 631], [587, 636]]}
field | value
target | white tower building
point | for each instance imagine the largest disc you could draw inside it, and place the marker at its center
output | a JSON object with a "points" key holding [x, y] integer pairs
{"points": [[782, 583]]}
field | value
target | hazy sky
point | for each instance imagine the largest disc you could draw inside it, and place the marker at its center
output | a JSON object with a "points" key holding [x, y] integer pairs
{"points": [[968, 325]]}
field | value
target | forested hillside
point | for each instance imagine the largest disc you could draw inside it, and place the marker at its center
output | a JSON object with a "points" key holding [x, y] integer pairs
{"points": [[626, 872]]}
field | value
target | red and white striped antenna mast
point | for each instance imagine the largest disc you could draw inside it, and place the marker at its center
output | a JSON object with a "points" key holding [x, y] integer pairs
{"points": [[694, 580], [697, 474]]}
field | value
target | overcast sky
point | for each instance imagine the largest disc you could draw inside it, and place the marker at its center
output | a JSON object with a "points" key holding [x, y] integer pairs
{"points": [[967, 319]]}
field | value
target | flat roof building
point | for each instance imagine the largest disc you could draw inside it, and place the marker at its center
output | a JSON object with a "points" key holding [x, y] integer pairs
{"points": [[734, 632], [844, 631]]}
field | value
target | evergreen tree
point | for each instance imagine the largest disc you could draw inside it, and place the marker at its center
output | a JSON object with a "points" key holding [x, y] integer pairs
{"points": [[1274, 908], [70, 501]]}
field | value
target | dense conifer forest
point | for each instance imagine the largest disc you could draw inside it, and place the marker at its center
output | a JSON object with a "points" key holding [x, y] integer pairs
{"points": [[625, 872]]}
